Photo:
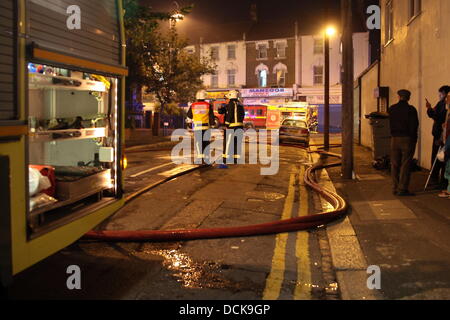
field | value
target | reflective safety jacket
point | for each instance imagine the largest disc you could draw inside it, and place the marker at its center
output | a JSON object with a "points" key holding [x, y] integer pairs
{"points": [[234, 114], [202, 114]]}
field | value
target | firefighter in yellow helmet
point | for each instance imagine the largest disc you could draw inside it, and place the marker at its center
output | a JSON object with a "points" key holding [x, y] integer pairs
{"points": [[202, 114], [234, 120]]}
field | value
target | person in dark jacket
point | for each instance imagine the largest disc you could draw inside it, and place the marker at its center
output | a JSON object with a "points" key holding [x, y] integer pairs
{"points": [[234, 120], [404, 123], [438, 114], [446, 141]]}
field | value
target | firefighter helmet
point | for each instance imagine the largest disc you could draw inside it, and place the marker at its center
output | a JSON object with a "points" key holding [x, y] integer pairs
{"points": [[233, 94], [201, 95]]}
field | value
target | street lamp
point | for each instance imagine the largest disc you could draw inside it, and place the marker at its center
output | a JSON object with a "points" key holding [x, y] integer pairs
{"points": [[176, 16], [329, 32]]}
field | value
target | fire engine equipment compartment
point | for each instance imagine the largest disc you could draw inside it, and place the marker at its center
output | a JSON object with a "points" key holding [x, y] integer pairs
{"points": [[72, 129]]}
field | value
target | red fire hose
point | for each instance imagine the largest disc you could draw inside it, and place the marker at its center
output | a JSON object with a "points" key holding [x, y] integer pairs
{"points": [[289, 225]]}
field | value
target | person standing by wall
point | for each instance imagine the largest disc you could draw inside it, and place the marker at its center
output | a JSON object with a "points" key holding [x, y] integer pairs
{"points": [[438, 114], [404, 122], [446, 140]]}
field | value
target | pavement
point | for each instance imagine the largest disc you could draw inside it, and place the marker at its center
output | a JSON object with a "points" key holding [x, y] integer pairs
{"points": [[407, 238]]}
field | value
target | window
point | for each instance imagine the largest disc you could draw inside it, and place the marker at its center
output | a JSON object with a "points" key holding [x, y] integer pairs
{"points": [[231, 52], [318, 75], [389, 22], [214, 80], [215, 53], [262, 51], [231, 77], [415, 7], [262, 78], [281, 50], [281, 77], [318, 46]]}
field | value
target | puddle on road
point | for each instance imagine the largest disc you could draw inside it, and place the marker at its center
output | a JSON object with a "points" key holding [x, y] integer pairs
{"points": [[195, 275]]}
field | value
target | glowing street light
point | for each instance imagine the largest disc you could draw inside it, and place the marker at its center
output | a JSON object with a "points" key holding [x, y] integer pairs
{"points": [[331, 31], [176, 16]]}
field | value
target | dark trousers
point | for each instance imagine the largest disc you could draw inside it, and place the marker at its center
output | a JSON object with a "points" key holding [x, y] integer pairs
{"points": [[402, 153], [201, 142], [439, 169], [232, 145]]}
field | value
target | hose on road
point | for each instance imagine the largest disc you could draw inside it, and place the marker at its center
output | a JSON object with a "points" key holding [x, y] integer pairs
{"points": [[289, 225]]}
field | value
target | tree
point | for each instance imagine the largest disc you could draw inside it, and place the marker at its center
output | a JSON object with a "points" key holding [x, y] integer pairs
{"points": [[159, 61], [172, 73], [140, 24]]}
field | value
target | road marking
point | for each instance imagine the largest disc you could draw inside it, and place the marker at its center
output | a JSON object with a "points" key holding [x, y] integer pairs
{"points": [[303, 285], [275, 279], [150, 170]]}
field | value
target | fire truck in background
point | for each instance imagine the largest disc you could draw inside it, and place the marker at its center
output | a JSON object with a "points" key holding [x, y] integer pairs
{"points": [[218, 99], [292, 110], [255, 116]]}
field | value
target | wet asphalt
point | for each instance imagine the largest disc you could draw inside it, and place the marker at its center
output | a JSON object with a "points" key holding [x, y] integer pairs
{"points": [[291, 266]]}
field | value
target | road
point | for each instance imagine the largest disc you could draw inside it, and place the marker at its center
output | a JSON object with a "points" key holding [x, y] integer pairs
{"points": [[285, 266]]}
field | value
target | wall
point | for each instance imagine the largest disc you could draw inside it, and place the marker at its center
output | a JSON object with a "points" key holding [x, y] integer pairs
{"points": [[252, 63], [224, 64], [418, 60], [309, 59], [369, 81]]}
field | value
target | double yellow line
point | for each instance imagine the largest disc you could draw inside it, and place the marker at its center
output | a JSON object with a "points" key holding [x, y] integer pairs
{"points": [[274, 281]]}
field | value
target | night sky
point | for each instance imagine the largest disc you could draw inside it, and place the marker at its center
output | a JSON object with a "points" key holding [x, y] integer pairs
{"points": [[225, 20]]}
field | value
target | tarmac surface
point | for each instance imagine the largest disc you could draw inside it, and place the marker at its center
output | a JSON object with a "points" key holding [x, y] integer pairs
{"points": [[286, 266], [408, 239]]}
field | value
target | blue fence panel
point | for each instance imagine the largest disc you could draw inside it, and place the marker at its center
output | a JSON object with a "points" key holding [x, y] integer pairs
{"points": [[335, 118]]}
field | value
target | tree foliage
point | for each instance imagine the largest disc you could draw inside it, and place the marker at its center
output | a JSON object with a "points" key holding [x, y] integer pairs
{"points": [[159, 60], [172, 73]]}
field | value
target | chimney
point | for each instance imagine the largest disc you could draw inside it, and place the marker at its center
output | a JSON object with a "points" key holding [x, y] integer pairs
{"points": [[254, 12]]}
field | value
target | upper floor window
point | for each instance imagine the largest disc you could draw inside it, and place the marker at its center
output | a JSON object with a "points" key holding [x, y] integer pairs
{"points": [[318, 46], [262, 51], [215, 53], [231, 49], [214, 80], [389, 22], [231, 77], [262, 78], [281, 78], [318, 75], [281, 50], [415, 7]]}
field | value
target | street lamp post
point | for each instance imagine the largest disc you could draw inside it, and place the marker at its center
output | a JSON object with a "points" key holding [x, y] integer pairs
{"points": [[347, 90], [330, 31]]}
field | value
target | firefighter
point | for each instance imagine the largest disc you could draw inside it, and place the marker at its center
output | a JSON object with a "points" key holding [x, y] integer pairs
{"points": [[234, 120], [202, 115]]}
